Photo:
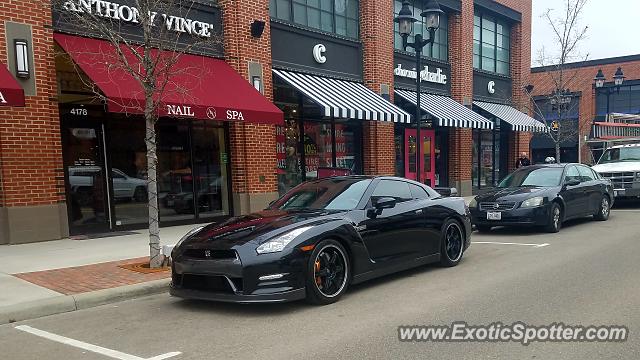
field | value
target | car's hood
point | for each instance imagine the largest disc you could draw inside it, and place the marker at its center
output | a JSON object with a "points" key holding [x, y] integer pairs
{"points": [[257, 227], [510, 194], [622, 166]]}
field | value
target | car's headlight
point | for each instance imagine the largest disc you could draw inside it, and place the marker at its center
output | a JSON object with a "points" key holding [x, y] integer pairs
{"points": [[278, 244], [187, 235], [638, 176], [533, 202], [473, 203]]}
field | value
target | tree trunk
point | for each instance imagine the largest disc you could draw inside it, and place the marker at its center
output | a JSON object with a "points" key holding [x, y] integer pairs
{"points": [[155, 258], [558, 152]]}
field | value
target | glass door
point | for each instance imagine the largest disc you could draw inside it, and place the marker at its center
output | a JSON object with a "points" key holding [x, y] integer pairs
{"points": [[87, 185], [427, 160]]}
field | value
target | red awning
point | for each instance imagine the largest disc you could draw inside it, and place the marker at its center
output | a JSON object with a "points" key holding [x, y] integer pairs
{"points": [[11, 93], [199, 87]]}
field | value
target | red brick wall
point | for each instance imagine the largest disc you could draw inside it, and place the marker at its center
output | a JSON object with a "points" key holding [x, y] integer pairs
{"points": [[582, 81], [378, 148], [253, 147], [30, 147], [377, 42]]}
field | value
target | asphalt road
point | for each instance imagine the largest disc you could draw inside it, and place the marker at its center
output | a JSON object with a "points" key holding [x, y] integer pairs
{"points": [[588, 274]]}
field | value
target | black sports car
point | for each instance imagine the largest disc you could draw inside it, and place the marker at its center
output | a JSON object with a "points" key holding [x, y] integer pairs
{"points": [[320, 237], [545, 196]]}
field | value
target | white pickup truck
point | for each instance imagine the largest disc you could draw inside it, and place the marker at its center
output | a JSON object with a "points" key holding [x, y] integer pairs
{"points": [[621, 165]]}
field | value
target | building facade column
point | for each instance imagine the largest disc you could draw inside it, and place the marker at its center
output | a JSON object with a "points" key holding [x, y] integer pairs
{"points": [[377, 47], [461, 59], [252, 146], [32, 206]]}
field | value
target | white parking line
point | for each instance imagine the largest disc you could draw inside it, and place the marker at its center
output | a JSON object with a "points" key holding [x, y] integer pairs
{"points": [[90, 347], [510, 243]]}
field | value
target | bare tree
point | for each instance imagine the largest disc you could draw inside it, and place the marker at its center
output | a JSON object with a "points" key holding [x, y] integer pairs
{"points": [[563, 49], [146, 38]]}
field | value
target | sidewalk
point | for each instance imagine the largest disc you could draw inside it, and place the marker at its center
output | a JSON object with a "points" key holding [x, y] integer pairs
{"points": [[56, 276]]}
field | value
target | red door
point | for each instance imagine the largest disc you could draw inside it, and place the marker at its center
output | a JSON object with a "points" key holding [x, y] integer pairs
{"points": [[427, 160]]}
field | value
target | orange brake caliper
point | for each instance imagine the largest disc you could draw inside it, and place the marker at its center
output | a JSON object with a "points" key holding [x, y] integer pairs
{"points": [[316, 267]]}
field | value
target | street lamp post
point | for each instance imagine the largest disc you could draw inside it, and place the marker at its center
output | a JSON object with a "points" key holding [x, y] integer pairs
{"points": [[618, 79], [405, 22]]}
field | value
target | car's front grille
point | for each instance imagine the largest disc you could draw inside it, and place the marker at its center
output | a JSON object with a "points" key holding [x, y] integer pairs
{"points": [[620, 180], [207, 254], [493, 206], [212, 283]]}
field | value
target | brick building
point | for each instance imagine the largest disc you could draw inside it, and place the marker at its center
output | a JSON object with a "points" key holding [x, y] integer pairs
{"points": [[342, 82], [588, 104]]}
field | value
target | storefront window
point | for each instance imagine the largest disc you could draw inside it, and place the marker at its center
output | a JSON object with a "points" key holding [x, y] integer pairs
{"points": [[491, 44], [318, 146], [318, 142], [487, 159], [289, 159], [348, 146], [128, 156], [210, 161], [334, 16], [175, 175], [440, 47]]}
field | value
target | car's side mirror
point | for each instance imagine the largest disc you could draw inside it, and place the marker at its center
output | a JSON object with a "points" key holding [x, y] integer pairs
{"points": [[572, 182], [385, 203], [446, 191], [381, 204]]}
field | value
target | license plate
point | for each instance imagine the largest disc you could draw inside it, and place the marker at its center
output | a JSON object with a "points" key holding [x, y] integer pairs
{"points": [[170, 203], [618, 192], [494, 215]]}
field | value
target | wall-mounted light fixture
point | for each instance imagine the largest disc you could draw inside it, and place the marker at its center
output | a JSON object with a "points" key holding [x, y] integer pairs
{"points": [[22, 59], [257, 28], [257, 83]]}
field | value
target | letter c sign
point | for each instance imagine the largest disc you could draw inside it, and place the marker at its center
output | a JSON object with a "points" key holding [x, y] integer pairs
{"points": [[318, 50], [491, 87]]}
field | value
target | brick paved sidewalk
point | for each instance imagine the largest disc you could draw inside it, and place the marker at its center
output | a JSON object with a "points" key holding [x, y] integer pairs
{"points": [[80, 279]]}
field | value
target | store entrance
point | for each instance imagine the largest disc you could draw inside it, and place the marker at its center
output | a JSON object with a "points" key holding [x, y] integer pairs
{"points": [[427, 160], [87, 184]]}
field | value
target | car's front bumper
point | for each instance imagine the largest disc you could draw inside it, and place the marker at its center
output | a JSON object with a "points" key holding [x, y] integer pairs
{"points": [[536, 216], [291, 295], [626, 193], [233, 280]]}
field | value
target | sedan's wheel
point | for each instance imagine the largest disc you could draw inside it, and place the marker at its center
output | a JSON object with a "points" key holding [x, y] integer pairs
{"points": [[328, 273], [555, 219], [452, 243], [604, 210]]}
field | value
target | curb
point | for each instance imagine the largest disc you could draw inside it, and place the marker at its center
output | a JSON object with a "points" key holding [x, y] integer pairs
{"points": [[67, 303]]}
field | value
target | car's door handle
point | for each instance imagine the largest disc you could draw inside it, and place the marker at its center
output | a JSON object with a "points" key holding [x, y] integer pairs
{"points": [[419, 211]]}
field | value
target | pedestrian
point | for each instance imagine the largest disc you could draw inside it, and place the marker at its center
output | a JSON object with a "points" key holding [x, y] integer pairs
{"points": [[523, 160]]}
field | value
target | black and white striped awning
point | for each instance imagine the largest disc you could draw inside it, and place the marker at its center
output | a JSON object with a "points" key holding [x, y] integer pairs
{"points": [[447, 111], [517, 119], [344, 99]]}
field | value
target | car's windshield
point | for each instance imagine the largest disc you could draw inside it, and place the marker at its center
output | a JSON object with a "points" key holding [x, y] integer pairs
{"points": [[544, 177], [620, 154], [328, 194]]}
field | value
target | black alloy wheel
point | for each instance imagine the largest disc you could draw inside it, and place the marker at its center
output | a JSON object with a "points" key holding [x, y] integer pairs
{"points": [[603, 210], [328, 273], [555, 218], [452, 243]]}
